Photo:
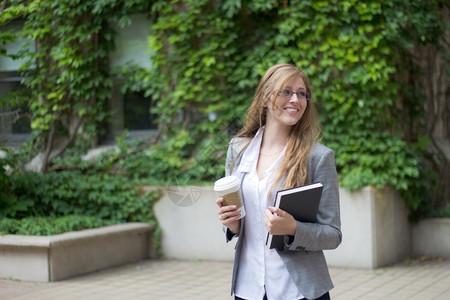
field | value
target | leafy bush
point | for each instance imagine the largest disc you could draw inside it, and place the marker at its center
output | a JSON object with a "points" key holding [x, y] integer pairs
{"points": [[208, 161], [162, 161], [112, 197], [39, 201], [373, 158], [5, 181], [177, 161], [50, 225]]}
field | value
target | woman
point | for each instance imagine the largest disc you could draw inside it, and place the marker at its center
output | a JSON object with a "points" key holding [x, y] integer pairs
{"points": [[276, 149]]}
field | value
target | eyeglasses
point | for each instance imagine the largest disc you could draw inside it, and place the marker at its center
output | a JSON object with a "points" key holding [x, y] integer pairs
{"points": [[287, 94]]}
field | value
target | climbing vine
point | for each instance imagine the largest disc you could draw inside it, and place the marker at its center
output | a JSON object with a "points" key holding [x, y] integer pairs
{"points": [[362, 57], [66, 72], [359, 55]]}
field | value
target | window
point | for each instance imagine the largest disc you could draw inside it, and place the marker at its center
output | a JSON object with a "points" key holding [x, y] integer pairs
{"points": [[132, 111], [137, 115], [14, 117]]}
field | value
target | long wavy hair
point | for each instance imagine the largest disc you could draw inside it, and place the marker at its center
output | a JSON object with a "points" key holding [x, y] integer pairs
{"points": [[303, 135]]}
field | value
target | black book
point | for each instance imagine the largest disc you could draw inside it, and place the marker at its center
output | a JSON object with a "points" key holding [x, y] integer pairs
{"points": [[301, 202]]}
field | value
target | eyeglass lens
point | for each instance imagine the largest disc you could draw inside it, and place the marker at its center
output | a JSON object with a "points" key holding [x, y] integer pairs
{"points": [[288, 94]]}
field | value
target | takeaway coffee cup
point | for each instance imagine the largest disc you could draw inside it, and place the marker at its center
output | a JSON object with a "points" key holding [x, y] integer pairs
{"points": [[229, 188]]}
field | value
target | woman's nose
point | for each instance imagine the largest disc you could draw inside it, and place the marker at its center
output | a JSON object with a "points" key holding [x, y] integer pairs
{"points": [[294, 98]]}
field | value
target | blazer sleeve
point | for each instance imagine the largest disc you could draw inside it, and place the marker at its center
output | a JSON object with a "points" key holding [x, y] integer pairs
{"points": [[232, 151], [326, 233], [229, 159], [235, 148]]}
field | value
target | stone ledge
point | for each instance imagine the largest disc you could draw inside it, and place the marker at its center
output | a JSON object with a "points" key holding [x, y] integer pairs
{"points": [[61, 256], [431, 237], [375, 227]]}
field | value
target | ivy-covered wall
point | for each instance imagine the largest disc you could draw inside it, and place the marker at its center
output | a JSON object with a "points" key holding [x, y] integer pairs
{"points": [[207, 56]]}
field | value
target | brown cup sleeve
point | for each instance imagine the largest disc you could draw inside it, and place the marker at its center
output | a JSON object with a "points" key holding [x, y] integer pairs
{"points": [[232, 199]]}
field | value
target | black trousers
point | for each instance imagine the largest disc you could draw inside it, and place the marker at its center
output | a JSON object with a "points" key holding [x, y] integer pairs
{"points": [[325, 296]]}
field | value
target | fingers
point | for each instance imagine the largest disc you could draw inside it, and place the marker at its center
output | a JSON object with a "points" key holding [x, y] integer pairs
{"points": [[228, 218], [227, 212], [224, 209], [278, 221], [268, 214], [229, 215], [277, 211], [274, 214], [219, 201]]}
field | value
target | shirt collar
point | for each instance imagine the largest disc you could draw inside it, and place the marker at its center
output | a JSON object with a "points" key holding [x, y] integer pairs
{"points": [[251, 154]]}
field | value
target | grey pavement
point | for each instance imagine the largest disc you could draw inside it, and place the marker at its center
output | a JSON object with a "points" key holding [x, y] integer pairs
{"points": [[172, 279]]}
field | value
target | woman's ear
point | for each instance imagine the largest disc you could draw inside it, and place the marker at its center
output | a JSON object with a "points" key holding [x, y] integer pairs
{"points": [[268, 100]]}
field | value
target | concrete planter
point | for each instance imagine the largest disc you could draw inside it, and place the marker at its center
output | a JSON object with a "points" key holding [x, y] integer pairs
{"points": [[57, 257], [190, 227], [431, 237], [374, 224], [375, 227]]}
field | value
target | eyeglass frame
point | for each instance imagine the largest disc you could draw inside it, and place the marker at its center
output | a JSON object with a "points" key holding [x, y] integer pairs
{"points": [[306, 97]]}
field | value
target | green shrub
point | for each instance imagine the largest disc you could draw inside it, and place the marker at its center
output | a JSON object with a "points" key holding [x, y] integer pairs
{"points": [[6, 197], [160, 162], [39, 201], [374, 158], [50, 225], [107, 196]]}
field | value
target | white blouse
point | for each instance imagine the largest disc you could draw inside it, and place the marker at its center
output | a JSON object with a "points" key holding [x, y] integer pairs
{"points": [[261, 269]]}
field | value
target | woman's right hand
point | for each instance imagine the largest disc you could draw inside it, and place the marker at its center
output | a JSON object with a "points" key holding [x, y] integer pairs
{"points": [[229, 216]]}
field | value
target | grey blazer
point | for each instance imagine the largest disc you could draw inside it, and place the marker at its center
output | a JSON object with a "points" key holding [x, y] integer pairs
{"points": [[302, 254]]}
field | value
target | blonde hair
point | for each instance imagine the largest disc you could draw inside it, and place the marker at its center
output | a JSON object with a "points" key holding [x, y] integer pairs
{"points": [[304, 134]]}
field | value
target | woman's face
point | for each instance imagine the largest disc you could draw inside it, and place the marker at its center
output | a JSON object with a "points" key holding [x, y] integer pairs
{"points": [[288, 108]]}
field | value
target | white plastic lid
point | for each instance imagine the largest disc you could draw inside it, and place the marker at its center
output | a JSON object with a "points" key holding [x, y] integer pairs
{"points": [[226, 183]]}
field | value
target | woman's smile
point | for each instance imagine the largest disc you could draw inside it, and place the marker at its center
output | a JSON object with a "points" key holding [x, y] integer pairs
{"points": [[288, 110], [292, 110]]}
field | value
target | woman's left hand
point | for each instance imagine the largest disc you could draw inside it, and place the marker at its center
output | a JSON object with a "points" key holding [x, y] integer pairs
{"points": [[279, 222]]}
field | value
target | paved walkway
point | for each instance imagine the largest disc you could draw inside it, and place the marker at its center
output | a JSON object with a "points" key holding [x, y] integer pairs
{"points": [[186, 280]]}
